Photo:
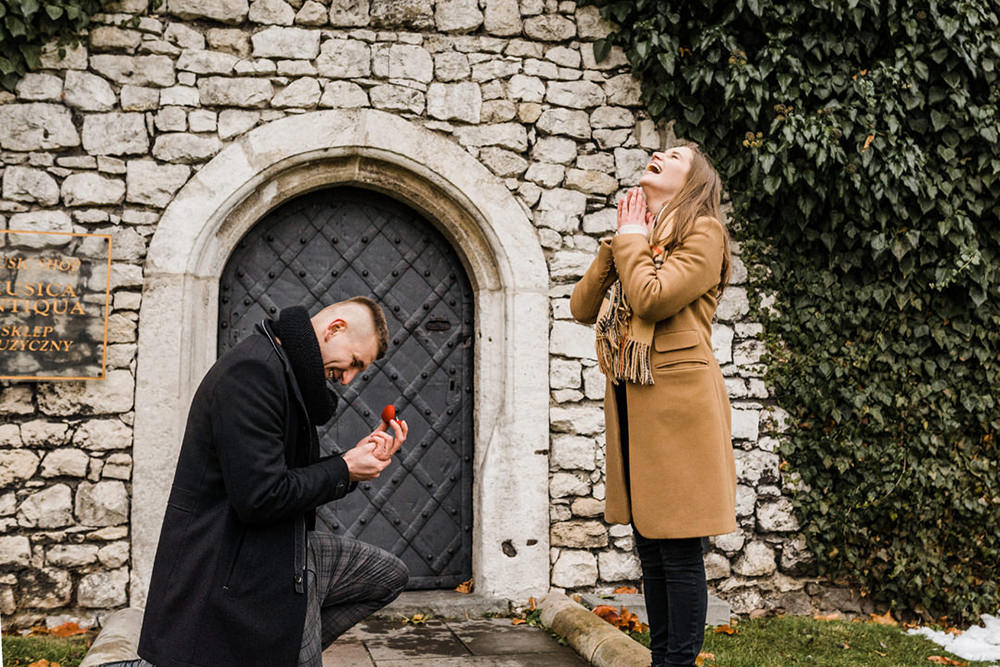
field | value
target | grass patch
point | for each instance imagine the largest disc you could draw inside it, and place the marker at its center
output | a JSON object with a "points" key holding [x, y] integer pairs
{"points": [[801, 640], [67, 651]]}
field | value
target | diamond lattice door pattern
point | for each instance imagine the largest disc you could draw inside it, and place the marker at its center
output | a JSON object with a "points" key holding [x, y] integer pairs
{"points": [[336, 243]]}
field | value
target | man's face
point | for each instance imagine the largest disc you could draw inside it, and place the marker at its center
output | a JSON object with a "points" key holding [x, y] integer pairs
{"points": [[345, 352]]}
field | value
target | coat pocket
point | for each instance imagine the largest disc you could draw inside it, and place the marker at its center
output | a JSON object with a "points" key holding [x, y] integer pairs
{"points": [[677, 350], [231, 570]]}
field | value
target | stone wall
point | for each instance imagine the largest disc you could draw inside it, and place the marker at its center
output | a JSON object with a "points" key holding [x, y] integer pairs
{"points": [[100, 139]]}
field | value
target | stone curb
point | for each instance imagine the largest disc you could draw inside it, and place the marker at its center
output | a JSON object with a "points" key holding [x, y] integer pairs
{"points": [[117, 640], [600, 643]]}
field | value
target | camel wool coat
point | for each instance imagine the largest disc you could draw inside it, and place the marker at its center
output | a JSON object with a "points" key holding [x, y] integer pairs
{"points": [[681, 470]]}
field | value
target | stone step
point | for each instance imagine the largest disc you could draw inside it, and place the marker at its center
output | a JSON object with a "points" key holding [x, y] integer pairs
{"points": [[719, 611]]}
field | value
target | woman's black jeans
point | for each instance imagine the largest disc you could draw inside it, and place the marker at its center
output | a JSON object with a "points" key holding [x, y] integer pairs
{"points": [[673, 581]]}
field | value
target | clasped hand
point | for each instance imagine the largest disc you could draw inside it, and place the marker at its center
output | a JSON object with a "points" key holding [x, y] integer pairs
{"points": [[632, 210], [374, 452]]}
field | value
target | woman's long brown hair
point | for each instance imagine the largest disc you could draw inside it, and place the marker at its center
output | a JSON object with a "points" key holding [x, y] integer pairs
{"points": [[700, 196]]}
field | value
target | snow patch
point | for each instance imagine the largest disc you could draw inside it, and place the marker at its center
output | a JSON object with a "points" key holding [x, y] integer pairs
{"points": [[976, 643]]}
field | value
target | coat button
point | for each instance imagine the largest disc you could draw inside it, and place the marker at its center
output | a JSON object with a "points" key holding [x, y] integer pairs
{"points": [[298, 579]]}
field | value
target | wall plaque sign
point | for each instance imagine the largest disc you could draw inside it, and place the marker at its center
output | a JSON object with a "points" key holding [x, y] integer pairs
{"points": [[54, 303]]}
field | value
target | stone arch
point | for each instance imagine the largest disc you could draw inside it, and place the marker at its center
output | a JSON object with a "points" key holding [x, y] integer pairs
{"points": [[502, 256]]}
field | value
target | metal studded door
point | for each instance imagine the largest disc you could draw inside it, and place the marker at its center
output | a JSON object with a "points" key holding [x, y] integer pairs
{"points": [[333, 244]]}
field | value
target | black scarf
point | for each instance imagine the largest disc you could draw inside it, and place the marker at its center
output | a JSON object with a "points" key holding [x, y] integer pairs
{"points": [[298, 339]]}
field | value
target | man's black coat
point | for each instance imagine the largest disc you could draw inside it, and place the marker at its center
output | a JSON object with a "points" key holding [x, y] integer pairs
{"points": [[227, 582]]}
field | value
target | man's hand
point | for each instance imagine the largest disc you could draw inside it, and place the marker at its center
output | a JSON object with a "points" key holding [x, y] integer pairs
{"points": [[373, 454]]}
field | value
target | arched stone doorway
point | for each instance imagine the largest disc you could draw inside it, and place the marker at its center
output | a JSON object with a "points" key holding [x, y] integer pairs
{"points": [[329, 244], [496, 244]]}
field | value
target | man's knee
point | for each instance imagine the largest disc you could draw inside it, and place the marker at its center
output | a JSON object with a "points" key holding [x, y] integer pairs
{"points": [[396, 576]]}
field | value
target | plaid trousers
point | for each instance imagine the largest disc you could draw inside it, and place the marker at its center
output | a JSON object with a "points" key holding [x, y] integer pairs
{"points": [[346, 581]]}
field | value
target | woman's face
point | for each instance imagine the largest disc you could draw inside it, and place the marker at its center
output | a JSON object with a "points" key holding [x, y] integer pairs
{"points": [[666, 174]]}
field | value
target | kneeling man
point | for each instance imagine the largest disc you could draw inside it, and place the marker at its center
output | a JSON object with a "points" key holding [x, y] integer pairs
{"points": [[240, 576]]}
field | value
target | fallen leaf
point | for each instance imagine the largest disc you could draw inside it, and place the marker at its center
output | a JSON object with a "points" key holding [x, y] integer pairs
{"points": [[465, 587], [68, 630], [577, 598], [868, 142], [44, 663], [702, 657], [844, 645], [531, 604], [884, 619], [608, 613], [941, 660], [518, 621], [725, 630], [835, 616], [953, 631], [629, 590]]}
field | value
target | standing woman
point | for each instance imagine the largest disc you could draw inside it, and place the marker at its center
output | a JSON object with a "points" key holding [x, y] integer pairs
{"points": [[652, 292]]}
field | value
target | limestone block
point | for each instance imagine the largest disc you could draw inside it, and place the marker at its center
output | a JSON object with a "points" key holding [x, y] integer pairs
{"points": [[616, 58], [236, 92], [502, 162], [185, 147], [344, 58], [564, 374], [10, 435], [115, 134], [103, 589], [716, 566], [42, 433], [757, 560], [525, 88], [495, 68], [347, 13], [49, 508], [755, 466], [541, 68], [402, 14], [549, 28], [112, 38], [572, 452], [619, 566], [564, 484], [528, 112], [565, 121], [748, 352], [606, 116], [746, 424], [47, 588], [594, 383], [593, 182], [102, 504], [547, 176], [39, 221], [233, 122], [30, 185], [229, 40], [343, 94], [506, 135], [71, 555], [582, 419], [278, 42], [39, 87], [153, 70], [795, 552], [15, 550], [570, 339], [648, 135], [579, 534], [623, 90], [722, 343], [91, 189], [224, 11], [777, 517], [733, 305], [65, 462], [746, 500], [302, 93], [564, 56], [502, 17], [451, 66], [730, 542], [403, 61], [88, 92], [455, 101], [557, 150], [590, 25], [629, 164], [312, 13], [111, 395], [184, 36], [589, 507], [271, 12], [103, 435], [565, 264], [118, 466], [202, 61], [574, 94], [153, 184], [397, 98], [203, 120], [140, 98], [457, 15], [36, 126], [114, 555], [16, 465], [606, 139], [569, 202], [574, 568]]}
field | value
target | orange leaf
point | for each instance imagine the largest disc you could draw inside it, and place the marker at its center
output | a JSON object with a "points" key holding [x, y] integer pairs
{"points": [[68, 630], [626, 589], [702, 657], [884, 619], [464, 587], [608, 613], [868, 142], [725, 630], [953, 631], [939, 659], [44, 663], [835, 616], [531, 604], [518, 621]]}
